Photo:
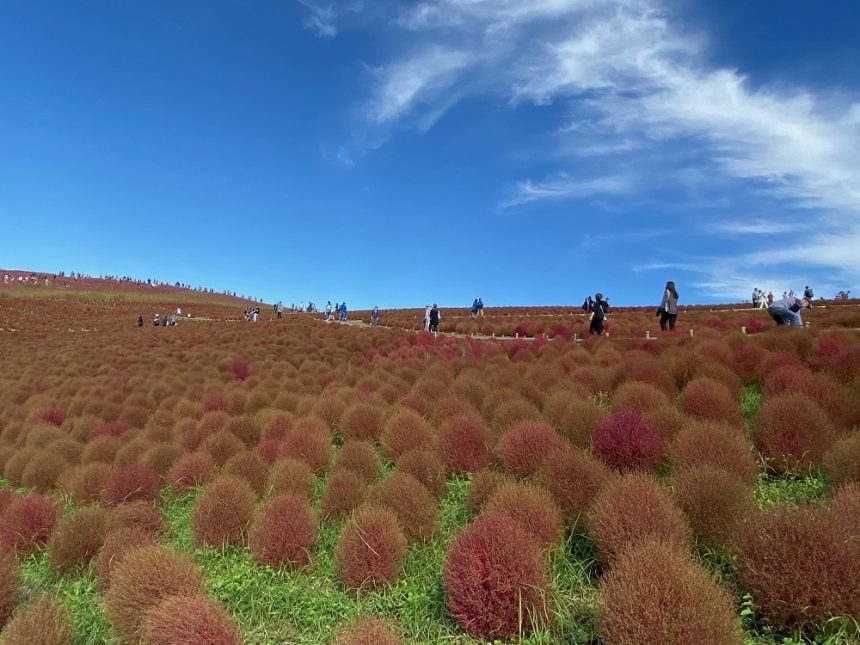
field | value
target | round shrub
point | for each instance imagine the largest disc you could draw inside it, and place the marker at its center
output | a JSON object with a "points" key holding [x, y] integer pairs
{"points": [[141, 581], [410, 501], [667, 420], [359, 457], [101, 449], [483, 483], [85, 483], [494, 579], [222, 445], [574, 416], [361, 421], [714, 503], [43, 620], [422, 465], [10, 586], [463, 444], [6, 497], [799, 565], [367, 631], [716, 445], [13, 469], [626, 441], [283, 532], [404, 431], [128, 484], [842, 461], [184, 619], [371, 548], [792, 432], [709, 399], [636, 396], [116, 544], [631, 509], [249, 467], [76, 539], [531, 506], [28, 522], [523, 448], [143, 515], [160, 458], [291, 476], [309, 441], [43, 469], [190, 470], [657, 594], [344, 491], [573, 479], [245, 429], [222, 512]]}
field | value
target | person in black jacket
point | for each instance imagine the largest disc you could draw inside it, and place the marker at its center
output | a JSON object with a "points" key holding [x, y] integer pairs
{"points": [[434, 318], [599, 308]]}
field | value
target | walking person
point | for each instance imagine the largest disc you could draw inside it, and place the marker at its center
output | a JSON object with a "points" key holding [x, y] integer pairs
{"points": [[427, 317], [327, 314], [808, 295], [434, 317], [599, 308], [480, 307], [474, 308], [374, 317], [668, 310], [342, 315], [140, 320]]}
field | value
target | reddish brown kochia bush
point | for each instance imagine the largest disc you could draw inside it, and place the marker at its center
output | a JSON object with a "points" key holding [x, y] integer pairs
{"points": [[222, 445], [842, 461], [54, 416], [291, 476], [283, 532], [370, 549], [27, 523], [10, 586], [140, 514], [716, 445], [183, 619], [463, 444], [141, 581], [626, 441], [309, 441], [43, 620], [523, 448], [709, 399], [85, 483], [128, 484], [43, 469], [239, 369], [160, 458], [116, 544], [529, 505], [360, 457], [245, 428], [13, 469], [361, 421], [636, 396], [483, 483], [190, 470], [6, 497], [631, 509], [76, 539], [792, 432], [222, 512], [367, 631], [410, 501], [344, 491], [801, 564], [657, 594], [494, 579], [714, 503], [403, 431], [100, 449], [422, 465], [573, 479], [249, 467], [269, 450]]}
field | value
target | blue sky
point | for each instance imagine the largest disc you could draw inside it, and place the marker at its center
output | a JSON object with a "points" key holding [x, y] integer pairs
{"points": [[397, 153]]}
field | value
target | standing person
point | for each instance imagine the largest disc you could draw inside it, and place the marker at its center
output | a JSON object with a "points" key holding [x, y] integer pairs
{"points": [[480, 307], [327, 310], [140, 320], [586, 304], [255, 312], [374, 317], [427, 317], [280, 309], [769, 298], [342, 315], [808, 295], [787, 311], [156, 322], [668, 310], [599, 308], [474, 307], [434, 317]]}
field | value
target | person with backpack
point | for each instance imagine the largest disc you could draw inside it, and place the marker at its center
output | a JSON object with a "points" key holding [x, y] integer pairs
{"points": [[474, 308], [480, 307], [668, 309], [599, 308], [434, 317], [808, 295]]}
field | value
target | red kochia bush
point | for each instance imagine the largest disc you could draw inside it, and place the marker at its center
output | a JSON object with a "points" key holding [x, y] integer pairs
{"points": [[657, 594], [367, 631], [523, 448], [291, 476], [404, 431], [141, 581], [716, 445], [626, 441], [128, 484], [463, 444], [343, 492], [116, 544], [529, 505], [483, 483], [309, 441], [43, 620], [631, 509], [410, 501], [222, 445], [27, 523], [139, 514], [707, 398], [842, 461], [801, 564], [54, 416], [10, 585], [573, 479], [191, 469], [239, 369], [714, 502], [637, 396], [494, 579], [792, 432], [76, 539], [422, 465], [222, 512], [180, 620], [370, 549], [360, 457], [249, 467], [284, 531]]}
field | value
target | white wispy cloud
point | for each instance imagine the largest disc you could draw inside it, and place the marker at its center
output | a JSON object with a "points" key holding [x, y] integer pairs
{"points": [[564, 187], [757, 227], [322, 17]]}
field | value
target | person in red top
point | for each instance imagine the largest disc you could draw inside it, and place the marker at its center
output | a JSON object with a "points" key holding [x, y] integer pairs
{"points": [[769, 298]]}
